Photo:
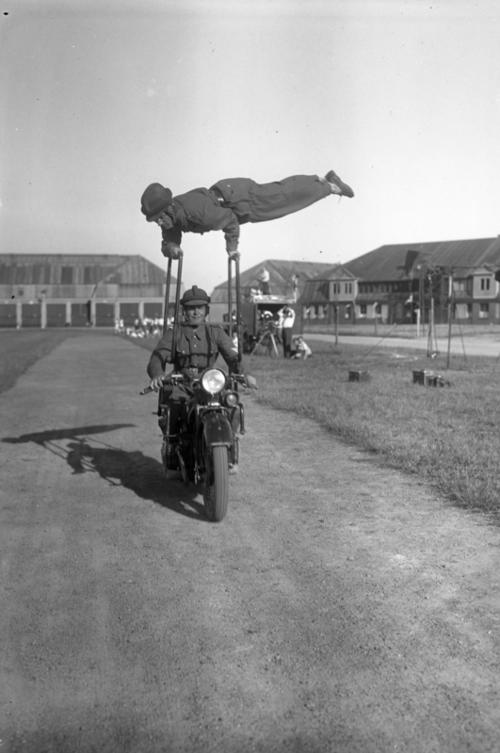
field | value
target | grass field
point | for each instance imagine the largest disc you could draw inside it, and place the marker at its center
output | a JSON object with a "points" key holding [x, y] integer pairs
{"points": [[22, 348], [447, 435]]}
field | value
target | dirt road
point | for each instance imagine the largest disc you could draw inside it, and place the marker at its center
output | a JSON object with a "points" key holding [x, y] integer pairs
{"points": [[339, 607], [461, 346]]}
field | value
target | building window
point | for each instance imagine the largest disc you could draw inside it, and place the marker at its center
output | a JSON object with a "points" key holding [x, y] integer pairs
{"points": [[335, 288], [484, 310], [485, 283], [89, 277], [348, 288], [66, 275], [362, 309]]}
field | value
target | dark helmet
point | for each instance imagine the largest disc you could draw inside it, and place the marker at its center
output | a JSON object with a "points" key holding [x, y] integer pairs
{"points": [[195, 296], [155, 199]]}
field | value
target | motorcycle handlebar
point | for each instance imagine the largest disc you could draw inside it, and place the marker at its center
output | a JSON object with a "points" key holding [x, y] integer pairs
{"points": [[170, 379], [177, 378]]}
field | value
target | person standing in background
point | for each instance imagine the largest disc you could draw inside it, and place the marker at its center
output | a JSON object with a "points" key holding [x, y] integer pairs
{"points": [[288, 320]]}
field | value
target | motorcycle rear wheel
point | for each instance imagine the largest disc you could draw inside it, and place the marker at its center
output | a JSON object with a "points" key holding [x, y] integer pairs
{"points": [[216, 491]]}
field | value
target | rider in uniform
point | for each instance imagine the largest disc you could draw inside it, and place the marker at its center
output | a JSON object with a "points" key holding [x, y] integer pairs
{"points": [[197, 344], [197, 347]]}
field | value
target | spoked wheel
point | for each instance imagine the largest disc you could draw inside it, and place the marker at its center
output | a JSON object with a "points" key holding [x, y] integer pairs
{"points": [[216, 491]]}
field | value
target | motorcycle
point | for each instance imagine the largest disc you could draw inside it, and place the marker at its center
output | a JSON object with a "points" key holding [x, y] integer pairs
{"points": [[202, 440], [201, 430]]}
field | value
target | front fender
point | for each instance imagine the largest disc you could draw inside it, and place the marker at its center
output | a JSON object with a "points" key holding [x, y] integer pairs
{"points": [[216, 429]]}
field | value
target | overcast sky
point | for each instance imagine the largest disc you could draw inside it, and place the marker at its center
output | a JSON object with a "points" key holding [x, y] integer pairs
{"points": [[99, 99]]}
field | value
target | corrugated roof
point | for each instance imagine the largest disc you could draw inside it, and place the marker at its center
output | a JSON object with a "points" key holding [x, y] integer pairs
{"points": [[78, 269], [403, 260], [335, 272]]}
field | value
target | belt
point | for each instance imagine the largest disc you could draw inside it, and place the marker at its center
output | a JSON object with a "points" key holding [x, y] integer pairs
{"points": [[218, 196]]}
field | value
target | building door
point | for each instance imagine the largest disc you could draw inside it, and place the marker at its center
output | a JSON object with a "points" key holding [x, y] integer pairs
{"points": [[104, 315], [7, 314], [153, 310], [32, 315], [79, 315], [129, 312], [56, 314]]}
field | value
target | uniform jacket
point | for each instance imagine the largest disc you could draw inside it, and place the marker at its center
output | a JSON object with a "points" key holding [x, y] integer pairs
{"points": [[196, 347], [232, 202], [199, 211]]}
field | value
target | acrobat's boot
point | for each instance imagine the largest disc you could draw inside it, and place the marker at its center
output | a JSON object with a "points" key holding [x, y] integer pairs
{"points": [[338, 186]]}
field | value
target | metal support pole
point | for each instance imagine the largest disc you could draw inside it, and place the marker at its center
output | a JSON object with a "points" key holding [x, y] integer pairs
{"points": [[238, 305], [167, 295], [177, 304], [450, 316], [229, 296]]}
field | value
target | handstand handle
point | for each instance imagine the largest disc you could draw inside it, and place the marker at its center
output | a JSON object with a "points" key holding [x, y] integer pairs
{"points": [[176, 308], [236, 259], [167, 295]]}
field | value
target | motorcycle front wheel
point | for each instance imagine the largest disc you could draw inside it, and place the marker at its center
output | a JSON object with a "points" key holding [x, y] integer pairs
{"points": [[216, 491]]}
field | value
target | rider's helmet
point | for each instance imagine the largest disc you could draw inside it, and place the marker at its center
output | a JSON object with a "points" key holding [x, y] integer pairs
{"points": [[195, 296], [155, 200]]}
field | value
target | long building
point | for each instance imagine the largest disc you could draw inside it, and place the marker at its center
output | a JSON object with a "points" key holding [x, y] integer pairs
{"points": [[78, 290], [400, 283]]}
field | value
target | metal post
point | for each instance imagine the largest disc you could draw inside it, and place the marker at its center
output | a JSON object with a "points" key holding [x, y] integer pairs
{"points": [[177, 303], [238, 305], [167, 295], [431, 337], [229, 296], [450, 315]]}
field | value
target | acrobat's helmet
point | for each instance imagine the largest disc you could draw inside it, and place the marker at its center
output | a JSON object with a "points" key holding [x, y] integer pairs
{"points": [[155, 200]]}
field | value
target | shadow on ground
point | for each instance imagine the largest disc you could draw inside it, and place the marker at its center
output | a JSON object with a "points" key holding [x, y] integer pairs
{"points": [[130, 469]]}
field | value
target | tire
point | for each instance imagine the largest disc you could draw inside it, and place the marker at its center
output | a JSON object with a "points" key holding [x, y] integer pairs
{"points": [[216, 492]]}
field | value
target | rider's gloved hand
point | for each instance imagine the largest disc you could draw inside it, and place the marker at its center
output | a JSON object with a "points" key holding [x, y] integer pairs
{"points": [[156, 382]]}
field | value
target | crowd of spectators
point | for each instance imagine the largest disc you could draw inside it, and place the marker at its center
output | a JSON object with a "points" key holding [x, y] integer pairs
{"points": [[140, 328]]}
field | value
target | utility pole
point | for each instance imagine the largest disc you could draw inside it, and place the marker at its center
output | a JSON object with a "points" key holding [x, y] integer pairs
{"points": [[450, 315], [421, 312]]}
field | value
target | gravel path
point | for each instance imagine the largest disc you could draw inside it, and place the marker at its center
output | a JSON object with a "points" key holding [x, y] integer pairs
{"points": [[339, 608]]}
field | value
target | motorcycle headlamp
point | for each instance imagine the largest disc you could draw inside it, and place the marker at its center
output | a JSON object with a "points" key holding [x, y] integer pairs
{"points": [[213, 381]]}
